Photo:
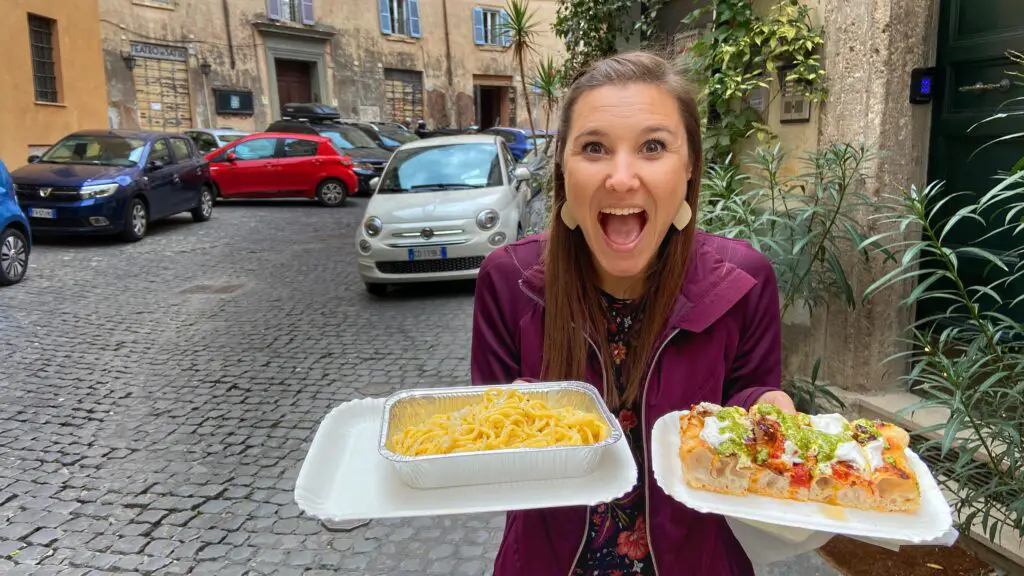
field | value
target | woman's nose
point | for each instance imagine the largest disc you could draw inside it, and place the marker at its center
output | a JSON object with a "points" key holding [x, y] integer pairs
{"points": [[623, 175]]}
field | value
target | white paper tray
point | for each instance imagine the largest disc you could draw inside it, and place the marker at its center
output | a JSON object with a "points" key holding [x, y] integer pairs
{"points": [[792, 519], [343, 477]]}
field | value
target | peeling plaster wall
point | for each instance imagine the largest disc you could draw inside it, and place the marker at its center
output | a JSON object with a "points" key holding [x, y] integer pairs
{"points": [[356, 55]]}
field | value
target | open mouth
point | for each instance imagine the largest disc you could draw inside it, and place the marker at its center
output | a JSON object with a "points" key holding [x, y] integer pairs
{"points": [[622, 227]]}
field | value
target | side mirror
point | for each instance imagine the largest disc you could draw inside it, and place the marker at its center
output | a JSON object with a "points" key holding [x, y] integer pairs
{"points": [[522, 173], [374, 182], [231, 156], [32, 159], [154, 165]]}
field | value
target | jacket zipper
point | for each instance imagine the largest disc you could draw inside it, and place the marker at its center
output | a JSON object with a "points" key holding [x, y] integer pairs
{"points": [[643, 423]]}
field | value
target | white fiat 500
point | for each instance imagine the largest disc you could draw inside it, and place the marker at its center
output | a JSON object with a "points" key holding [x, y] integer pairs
{"points": [[440, 207]]}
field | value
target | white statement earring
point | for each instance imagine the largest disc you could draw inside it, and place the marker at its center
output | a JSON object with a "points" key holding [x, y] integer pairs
{"points": [[567, 217], [683, 217]]}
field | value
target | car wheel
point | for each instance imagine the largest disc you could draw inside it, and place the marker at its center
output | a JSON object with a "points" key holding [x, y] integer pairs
{"points": [[136, 221], [380, 290], [332, 193], [13, 257], [204, 210]]}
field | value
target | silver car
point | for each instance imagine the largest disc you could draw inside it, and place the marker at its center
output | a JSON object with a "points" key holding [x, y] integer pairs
{"points": [[209, 139]]}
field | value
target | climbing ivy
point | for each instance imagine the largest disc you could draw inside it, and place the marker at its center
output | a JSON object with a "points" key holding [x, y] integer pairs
{"points": [[593, 29], [741, 51]]}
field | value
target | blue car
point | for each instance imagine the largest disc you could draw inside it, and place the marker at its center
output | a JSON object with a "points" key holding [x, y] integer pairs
{"points": [[113, 182], [520, 142], [15, 235]]}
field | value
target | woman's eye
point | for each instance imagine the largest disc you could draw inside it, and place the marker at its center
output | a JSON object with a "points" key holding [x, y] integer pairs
{"points": [[594, 148], [653, 147]]}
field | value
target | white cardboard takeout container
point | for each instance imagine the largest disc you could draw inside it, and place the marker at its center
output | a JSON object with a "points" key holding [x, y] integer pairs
{"points": [[343, 477], [793, 520]]}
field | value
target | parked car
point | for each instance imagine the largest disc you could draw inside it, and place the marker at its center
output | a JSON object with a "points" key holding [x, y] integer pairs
{"points": [[15, 234], [392, 125], [385, 137], [277, 165], [113, 182], [368, 159], [209, 139], [519, 141], [442, 205]]}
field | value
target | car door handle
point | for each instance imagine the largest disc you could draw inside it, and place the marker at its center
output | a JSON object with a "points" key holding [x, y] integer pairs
{"points": [[176, 179], [199, 171]]}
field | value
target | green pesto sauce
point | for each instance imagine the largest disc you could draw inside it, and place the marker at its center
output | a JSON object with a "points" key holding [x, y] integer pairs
{"points": [[867, 425], [762, 456], [890, 461], [734, 423], [797, 429]]}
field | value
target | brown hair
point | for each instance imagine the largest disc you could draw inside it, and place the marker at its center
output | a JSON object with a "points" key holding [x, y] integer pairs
{"points": [[573, 307]]}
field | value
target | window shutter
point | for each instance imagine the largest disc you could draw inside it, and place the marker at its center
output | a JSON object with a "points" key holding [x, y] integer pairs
{"points": [[274, 9], [385, 16], [414, 18], [307, 12], [506, 34], [478, 26]]}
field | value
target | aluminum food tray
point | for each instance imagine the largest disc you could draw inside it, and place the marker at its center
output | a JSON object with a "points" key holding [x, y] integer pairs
{"points": [[412, 407]]}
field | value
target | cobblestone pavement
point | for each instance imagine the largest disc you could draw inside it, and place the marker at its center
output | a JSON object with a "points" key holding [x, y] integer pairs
{"points": [[158, 399]]}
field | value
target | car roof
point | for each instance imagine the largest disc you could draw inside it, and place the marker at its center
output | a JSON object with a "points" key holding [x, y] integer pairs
{"points": [[448, 140], [140, 134], [316, 137], [220, 131]]}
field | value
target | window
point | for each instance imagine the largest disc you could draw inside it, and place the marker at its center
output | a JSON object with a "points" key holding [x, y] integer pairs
{"points": [[204, 142], [294, 147], [506, 135], [160, 153], [489, 27], [346, 137], [298, 11], [44, 60], [400, 17], [182, 151], [259, 149], [444, 167], [101, 150]]}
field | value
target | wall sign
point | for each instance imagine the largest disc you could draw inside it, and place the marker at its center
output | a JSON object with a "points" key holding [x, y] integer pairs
{"points": [[159, 52], [796, 106], [233, 101]]}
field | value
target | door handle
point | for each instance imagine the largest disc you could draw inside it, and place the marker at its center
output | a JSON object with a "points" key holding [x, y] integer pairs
{"points": [[1003, 85], [199, 171], [176, 179]]}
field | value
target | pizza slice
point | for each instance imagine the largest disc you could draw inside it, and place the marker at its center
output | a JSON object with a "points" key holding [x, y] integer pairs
{"points": [[715, 447]]}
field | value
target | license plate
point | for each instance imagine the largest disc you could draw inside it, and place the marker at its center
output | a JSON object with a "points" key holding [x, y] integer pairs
{"points": [[42, 213], [438, 253]]}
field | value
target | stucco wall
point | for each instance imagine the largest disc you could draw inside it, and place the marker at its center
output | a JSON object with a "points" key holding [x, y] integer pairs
{"points": [[357, 53], [25, 124]]}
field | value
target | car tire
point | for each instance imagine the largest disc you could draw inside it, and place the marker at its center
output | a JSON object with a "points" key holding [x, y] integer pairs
{"points": [[136, 221], [332, 193], [379, 290], [204, 210], [14, 252]]}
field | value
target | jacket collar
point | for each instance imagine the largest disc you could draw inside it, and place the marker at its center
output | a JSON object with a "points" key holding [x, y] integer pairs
{"points": [[711, 287]]}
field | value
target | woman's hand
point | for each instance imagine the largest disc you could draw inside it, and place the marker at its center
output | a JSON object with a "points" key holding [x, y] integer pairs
{"points": [[778, 398]]}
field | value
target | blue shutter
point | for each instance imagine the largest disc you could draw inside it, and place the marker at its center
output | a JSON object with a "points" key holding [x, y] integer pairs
{"points": [[414, 18], [506, 35], [385, 15], [307, 12], [478, 26], [274, 9]]}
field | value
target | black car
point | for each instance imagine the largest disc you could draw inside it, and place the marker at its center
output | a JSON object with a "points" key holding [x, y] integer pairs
{"points": [[368, 158], [385, 137]]}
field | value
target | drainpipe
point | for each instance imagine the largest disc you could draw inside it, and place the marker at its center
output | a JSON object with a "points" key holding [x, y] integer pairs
{"points": [[452, 106], [227, 28]]}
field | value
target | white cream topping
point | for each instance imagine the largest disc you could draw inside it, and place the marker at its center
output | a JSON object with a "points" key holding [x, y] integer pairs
{"points": [[622, 211], [874, 450], [852, 452], [828, 423], [791, 455], [712, 432]]}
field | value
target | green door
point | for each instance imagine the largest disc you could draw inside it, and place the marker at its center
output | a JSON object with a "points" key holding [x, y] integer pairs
{"points": [[974, 36]]}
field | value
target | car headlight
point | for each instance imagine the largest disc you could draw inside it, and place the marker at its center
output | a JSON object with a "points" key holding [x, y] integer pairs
{"points": [[97, 191], [362, 166], [487, 219], [373, 226]]}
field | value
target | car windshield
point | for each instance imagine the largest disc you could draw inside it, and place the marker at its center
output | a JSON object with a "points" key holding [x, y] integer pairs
{"points": [[225, 138], [346, 137], [105, 150], [398, 135], [445, 167]]}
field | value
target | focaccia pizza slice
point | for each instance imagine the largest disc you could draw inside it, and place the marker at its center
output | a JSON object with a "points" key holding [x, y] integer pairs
{"points": [[893, 480], [715, 448]]}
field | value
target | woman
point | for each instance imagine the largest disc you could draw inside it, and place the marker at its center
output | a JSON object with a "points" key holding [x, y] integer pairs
{"points": [[625, 294]]}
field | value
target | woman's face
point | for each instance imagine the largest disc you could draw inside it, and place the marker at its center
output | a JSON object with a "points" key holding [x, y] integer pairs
{"points": [[626, 168]]}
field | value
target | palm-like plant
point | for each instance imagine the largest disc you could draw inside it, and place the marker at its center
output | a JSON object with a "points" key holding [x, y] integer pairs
{"points": [[547, 82], [520, 31]]}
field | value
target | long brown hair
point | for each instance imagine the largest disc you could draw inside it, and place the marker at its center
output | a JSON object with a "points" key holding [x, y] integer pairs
{"points": [[573, 306]]}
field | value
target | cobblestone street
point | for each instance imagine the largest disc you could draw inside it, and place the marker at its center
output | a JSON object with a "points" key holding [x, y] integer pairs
{"points": [[159, 398]]}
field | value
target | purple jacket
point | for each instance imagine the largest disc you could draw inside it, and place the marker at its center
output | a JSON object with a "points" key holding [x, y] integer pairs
{"points": [[721, 344]]}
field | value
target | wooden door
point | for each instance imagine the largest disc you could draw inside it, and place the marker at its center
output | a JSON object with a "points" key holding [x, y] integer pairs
{"points": [[294, 81], [974, 37]]}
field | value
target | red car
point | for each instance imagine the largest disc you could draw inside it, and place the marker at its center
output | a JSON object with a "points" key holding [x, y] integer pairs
{"points": [[279, 165]]}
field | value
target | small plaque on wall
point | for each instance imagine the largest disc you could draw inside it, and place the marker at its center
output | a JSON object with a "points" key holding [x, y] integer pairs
{"points": [[233, 101], [796, 106]]}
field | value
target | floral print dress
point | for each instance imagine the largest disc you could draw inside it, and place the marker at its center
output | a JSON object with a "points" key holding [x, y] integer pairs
{"points": [[616, 543]]}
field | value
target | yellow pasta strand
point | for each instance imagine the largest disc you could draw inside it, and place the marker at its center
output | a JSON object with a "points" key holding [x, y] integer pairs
{"points": [[503, 419]]}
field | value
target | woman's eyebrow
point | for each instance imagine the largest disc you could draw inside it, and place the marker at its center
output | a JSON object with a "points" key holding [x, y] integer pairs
{"points": [[596, 132]]}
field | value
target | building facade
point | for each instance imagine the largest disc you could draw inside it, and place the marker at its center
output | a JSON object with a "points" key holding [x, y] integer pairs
{"points": [[178, 64], [52, 80]]}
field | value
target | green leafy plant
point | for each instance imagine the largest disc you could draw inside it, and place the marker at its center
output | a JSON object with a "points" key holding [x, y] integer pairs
{"points": [[741, 52], [520, 29], [547, 81], [593, 29], [805, 224], [1017, 58]]}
